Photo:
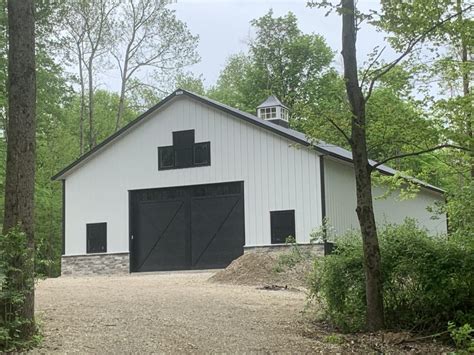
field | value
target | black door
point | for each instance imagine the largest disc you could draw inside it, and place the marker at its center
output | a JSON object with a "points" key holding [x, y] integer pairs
{"points": [[192, 227]]}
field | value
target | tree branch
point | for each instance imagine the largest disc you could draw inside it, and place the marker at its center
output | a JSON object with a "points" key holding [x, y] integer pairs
{"points": [[346, 136], [386, 68], [420, 152]]}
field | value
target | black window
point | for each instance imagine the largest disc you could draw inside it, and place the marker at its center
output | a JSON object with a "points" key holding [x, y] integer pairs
{"points": [[184, 153], [166, 159], [96, 238], [202, 153], [282, 225]]}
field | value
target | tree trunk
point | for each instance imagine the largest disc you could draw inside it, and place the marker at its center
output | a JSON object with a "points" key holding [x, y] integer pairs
{"points": [[122, 94], [83, 100], [365, 209], [21, 148], [91, 104], [465, 65]]}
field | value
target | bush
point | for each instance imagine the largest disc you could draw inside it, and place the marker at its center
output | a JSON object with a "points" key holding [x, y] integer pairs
{"points": [[427, 281], [15, 284]]}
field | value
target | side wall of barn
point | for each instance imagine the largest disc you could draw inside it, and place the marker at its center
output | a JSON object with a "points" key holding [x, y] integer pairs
{"points": [[277, 175], [341, 202]]}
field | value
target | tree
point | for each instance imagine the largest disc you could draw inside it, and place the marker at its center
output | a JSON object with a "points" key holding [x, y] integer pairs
{"points": [[281, 60], [21, 148], [449, 64], [362, 168], [151, 37], [87, 39], [357, 139]]}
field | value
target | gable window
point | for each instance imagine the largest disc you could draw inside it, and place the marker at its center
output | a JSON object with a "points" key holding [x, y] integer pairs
{"points": [[202, 153], [96, 234], [282, 225], [184, 153]]}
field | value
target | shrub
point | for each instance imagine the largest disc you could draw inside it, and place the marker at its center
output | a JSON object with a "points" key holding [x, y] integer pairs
{"points": [[427, 281], [462, 338], [15, 284], [290, 259]]}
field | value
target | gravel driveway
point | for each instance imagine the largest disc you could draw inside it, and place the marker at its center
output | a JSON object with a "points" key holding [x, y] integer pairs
{"points": [[167, 312]]}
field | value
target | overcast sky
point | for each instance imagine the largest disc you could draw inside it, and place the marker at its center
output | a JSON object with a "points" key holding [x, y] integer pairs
{"points": [[224, 28]]}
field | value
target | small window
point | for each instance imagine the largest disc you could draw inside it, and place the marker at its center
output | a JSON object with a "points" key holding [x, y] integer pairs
{"points": [[282, 225], [96, 238], [202, 153], [166, 157]]}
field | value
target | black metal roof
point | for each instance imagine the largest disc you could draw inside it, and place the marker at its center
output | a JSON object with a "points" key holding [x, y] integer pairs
{"points": [[298, 137]]}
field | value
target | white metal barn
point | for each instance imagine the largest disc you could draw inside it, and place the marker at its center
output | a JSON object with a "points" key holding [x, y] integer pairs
{"points": [[192, 183]]}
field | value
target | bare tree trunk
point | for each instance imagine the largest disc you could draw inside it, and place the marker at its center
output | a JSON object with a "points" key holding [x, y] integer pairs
{"points": [[92, 141], [83, 100], [122, 94], [362, 168], [21, 149]]}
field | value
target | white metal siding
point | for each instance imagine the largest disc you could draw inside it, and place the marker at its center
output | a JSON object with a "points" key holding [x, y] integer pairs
{"points": [[276, 174], [341, 202]]}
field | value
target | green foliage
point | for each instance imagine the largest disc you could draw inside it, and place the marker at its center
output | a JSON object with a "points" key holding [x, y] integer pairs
{"points": [[427, 281], [282, 60], [15, 284], [462, 337], [289, 260]]}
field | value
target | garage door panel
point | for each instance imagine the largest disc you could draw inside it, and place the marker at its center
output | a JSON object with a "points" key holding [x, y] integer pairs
{"points": [[160, 228], [219, 245], [210, 221]]}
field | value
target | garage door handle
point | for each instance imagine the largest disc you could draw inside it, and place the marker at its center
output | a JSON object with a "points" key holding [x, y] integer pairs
{"points": [[131, 237]]}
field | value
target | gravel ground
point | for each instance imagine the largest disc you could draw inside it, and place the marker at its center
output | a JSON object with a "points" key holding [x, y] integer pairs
{"points": [[168, 312]]}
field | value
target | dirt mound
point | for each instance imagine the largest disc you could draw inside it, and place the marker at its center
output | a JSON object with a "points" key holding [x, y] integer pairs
{"points": [[264, 269]]}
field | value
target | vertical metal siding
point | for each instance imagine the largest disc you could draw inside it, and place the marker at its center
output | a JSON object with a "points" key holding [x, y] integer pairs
{"points": [[277, 175], [341, 202]]}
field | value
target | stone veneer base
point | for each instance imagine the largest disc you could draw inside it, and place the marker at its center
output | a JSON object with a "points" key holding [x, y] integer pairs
{"points": [[95, 264], [317, 248]]}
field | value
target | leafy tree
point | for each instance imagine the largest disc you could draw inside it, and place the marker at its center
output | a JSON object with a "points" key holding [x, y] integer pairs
{"points": [[358, 141], [282, 61]]}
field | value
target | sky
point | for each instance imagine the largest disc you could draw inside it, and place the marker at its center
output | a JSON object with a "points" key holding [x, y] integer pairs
{"points": [[224, 28]]}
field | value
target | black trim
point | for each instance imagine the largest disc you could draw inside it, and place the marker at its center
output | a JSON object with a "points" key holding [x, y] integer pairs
{"points": [[323, 194], [64, 218], [234, 112]]}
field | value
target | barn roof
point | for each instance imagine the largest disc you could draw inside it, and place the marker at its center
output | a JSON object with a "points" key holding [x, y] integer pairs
{"points": [[271, 100], [298, 137]]}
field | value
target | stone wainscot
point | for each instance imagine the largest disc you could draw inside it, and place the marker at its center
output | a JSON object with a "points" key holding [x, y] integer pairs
{"points": [[95, 264]]}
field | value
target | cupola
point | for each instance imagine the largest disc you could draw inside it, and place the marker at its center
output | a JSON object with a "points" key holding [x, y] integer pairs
{"points": [[274, 111]]}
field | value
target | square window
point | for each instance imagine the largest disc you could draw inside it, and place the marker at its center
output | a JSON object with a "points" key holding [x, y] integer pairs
{"points": [[165, 157], [282, 225], [202, 153], [96, 237]]}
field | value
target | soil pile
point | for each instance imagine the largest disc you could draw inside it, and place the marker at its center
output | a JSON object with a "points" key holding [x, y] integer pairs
{"points": [[265, 269]]}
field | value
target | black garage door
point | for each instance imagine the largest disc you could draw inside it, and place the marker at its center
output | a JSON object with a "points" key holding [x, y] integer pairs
{"points": [[191, 227]]}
